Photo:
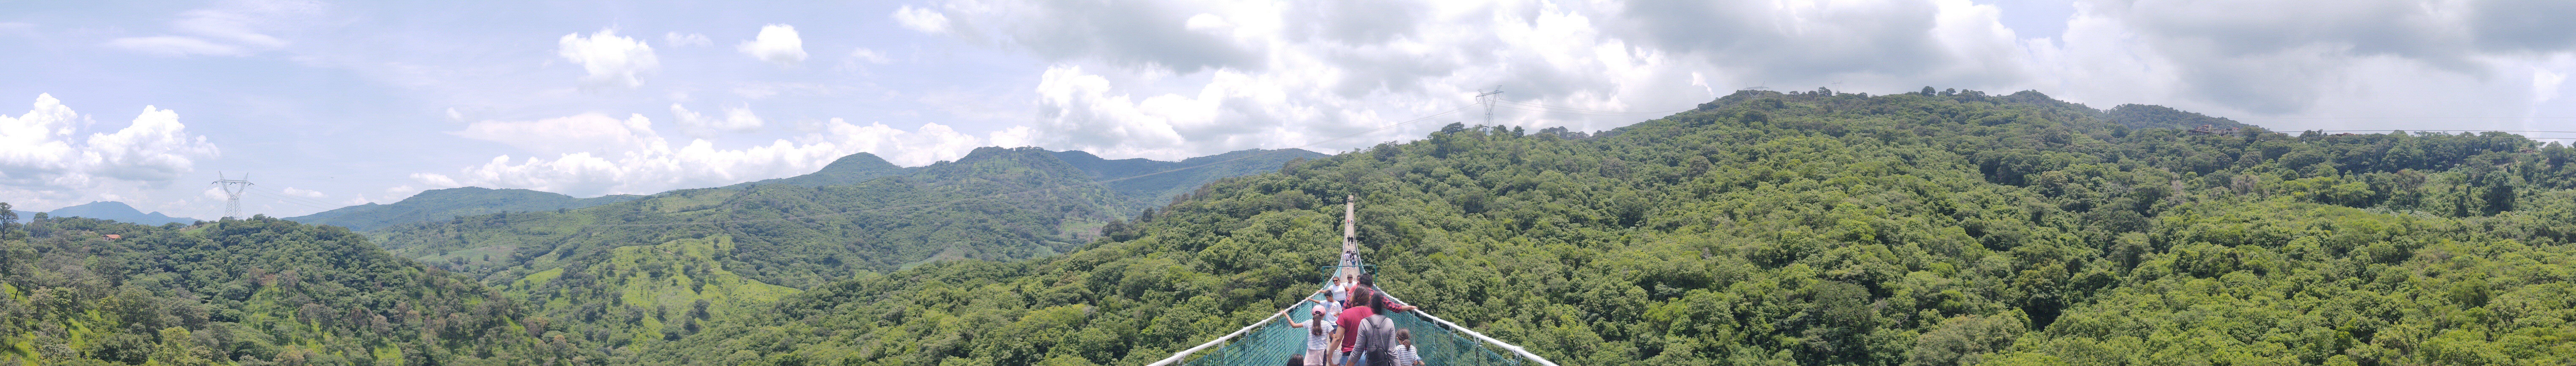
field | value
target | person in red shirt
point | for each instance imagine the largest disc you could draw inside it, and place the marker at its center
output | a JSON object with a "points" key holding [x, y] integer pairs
{"points": [[1351, 316]]}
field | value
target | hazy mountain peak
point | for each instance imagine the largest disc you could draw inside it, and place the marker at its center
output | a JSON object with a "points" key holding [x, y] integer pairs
{"points": [[119, 211], [441, 204]]}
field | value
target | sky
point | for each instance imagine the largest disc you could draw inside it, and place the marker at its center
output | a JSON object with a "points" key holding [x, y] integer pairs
{"points": [[324, 104]]}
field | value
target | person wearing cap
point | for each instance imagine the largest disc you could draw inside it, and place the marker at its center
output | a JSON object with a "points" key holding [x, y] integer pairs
{"points": [[1319, 336]]}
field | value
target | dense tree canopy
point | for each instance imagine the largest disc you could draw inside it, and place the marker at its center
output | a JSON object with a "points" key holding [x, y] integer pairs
{"points": [[1799, 228], [1807, 228], [260, 291]]}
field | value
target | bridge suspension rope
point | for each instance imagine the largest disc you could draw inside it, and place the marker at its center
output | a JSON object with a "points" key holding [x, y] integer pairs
{"points": [[1270, 341]]}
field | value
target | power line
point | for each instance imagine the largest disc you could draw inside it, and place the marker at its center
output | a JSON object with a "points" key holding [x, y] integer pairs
{"points": [[292, 200], [1588, 110], [286, 195], [1581, 113]]}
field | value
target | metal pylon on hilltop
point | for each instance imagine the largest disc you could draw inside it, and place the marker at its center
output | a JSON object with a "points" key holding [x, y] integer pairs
{"points": [[233, 189]]}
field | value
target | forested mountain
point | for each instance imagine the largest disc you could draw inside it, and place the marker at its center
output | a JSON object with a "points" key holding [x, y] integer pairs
{"points": [[1810, 228], [1807, 228], [443, 204], [2156, 116], [1152, 183], [795, 235], [852, 169], [112, 210], [260, 291]]}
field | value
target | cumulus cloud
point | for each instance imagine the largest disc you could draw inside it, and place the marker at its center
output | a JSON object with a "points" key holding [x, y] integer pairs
{"points": [[736, 119], [2318, 59], [230, 28], [49, 162], [921, 19], [609, 59], [582, 133], [777, 43], [643, 162], [1170, 79], [1177, 79]]}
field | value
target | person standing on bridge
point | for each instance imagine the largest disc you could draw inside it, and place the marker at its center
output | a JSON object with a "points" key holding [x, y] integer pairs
{"points": [[1349, 321], [1338, 291], [1319, 341], [1331, 309], [1405, 355]]}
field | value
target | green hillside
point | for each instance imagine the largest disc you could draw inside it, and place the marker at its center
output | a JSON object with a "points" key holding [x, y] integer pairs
{"points": [[645, 294], [443, 204], [851, 169], [261, 291], [1808, 228], [795, 235], [1799, 229]]}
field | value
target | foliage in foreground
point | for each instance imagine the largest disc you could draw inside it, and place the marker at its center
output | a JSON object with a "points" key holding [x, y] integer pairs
{"points": [[1799, 229], [261, 291]]}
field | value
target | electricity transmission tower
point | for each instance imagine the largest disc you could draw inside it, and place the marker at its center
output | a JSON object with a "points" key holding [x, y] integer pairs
{"points": [[1487, 99], [233, 189]]}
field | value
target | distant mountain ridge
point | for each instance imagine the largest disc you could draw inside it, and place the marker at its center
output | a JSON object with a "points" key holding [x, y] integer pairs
{"points": [[1149, 191], [855, 168], [442, 204], [1133, 194], [2142, 116], [119, 211]]}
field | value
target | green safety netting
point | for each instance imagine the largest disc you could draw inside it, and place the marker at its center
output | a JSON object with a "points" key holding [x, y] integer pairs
{"points": [[1275, 341]]}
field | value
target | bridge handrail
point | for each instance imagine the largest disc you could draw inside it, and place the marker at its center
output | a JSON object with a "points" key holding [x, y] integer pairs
{"points": [[1176, 357], [1471, 332]]}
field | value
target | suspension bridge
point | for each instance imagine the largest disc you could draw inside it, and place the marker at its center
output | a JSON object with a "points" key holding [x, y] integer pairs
{"points": [[1270, 341]]}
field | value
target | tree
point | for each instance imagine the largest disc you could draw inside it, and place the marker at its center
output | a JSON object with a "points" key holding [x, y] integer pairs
{"points": [[8, 221]]}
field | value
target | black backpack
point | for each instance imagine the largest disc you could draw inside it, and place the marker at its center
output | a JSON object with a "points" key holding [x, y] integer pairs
{"points": [[1377, 340]]}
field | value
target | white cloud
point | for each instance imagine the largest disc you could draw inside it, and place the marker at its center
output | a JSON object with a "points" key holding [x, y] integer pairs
{"points": [[175, 46], [2544, 84], [777, 43], [921, 19], [870, 56], [736, 119], [582, 133], [653, 165], [677, 39], [2314, 59], [47, 165], [609, 59], [230, 28], [1170, 79]]}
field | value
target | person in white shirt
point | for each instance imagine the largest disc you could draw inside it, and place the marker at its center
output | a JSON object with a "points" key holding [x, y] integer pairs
{"points": [[1331, 308], [1339, 291], [1319, 337], [1404, 353]]}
